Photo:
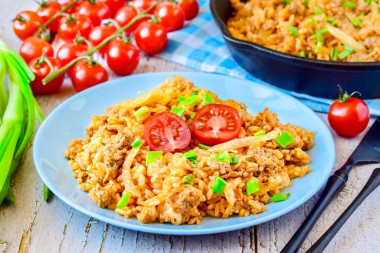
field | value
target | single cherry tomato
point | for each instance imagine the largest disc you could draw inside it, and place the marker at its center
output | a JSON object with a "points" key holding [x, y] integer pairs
{"points": [[99, 33], [143, 5], [87, 74], [114, 5], [190, 7], [151, 37], [166, 132], [122, 57], [68, 52], [216, 123], [95, 10], [124, 15], [348, 115], [34, 47], [171, 16], [46, 11], [71, 26], [26, 24], [41, 69]]}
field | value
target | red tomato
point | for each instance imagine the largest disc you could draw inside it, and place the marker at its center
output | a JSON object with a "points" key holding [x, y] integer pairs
{"points": [[171, 17], [26, 24], [150, 37], [167, 132], [46, 11], [190, 7], [99, 33], [122, 57], [215, 123], [68, 52], [41, 69], [143, 5], [70, 27], [124, 15], [34, 47], [96, 11], [85, 75], [348, 115], [114, 5]]}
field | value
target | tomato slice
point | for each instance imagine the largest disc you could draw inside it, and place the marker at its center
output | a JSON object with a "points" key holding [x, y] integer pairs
{"points": [[166, 132], [215, 123]]}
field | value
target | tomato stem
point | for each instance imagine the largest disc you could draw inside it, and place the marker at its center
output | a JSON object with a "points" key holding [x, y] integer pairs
{"points": [[344, 96], [79, 39], [54, 74]]}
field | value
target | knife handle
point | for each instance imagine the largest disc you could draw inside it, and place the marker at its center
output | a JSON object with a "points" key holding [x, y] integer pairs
{"points": [[372, 183], [334, 185]]}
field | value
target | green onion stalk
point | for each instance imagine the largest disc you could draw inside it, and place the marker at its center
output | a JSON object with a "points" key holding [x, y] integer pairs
{"points": [[18, 111]]}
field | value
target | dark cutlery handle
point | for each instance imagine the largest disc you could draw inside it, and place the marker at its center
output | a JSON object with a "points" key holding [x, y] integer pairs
{"points": [[372, 183], [334, 185]]}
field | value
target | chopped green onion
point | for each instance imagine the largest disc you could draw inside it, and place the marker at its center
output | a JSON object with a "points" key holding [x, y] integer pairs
{"points": [[349, 49], [318, 11], [123, 200], [178, 110], [193, 115], [349, 4], [344, 54], [219, 185], [378, 7], [310, 20], [195, 164], [234, 159], [293, 31], [286, 2], [194, 93], [252, 186], [202, 146], [97, 140], [259, 133], [303, 54], [191, 155], [318, 48], [187, 100], [222, 157], [207, 99], [153, 155], [136, 143], [284, 139], [47, 194], [332, 21], [334, 54], [188, 179], [141, 111], [356, 22], [280, 197], [307, 3]]}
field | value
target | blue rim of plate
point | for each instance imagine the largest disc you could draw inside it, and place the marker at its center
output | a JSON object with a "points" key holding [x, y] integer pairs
{"points": [[182, 229]]}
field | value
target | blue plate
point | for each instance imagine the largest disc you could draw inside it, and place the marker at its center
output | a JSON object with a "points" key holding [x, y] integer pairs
{"points": [[70, 119]]}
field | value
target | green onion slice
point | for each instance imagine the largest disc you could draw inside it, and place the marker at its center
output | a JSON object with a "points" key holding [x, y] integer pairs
{"points": [[193, 115], [202, 146], [307, 3], [332, 21], [234, 159], [194, 93], [141, 111], [97, 140], [284, 139], [280, 197], [207, 99], [259, 133], [293, 31], [286, 2], [310, 20], [187, 100], [303, 54], [318, 11], [123, 200], [178, 110], [136, 143], [153, 155], [349, 4], [252, 186], [188, 179], [191, 155], [334, 54], [222, 157], [356, 22], [219, 185]]}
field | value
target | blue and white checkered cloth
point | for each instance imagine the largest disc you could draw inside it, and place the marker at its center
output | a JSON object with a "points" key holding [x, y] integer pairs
{"points": [[200, 45]]}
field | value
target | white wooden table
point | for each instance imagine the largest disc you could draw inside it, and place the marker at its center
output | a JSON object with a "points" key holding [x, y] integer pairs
{"points": [[31, 225]]}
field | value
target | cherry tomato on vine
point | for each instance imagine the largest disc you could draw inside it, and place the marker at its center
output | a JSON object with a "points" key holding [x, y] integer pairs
{"points": [[190, 7], [124, 15], [99, 33], [143, 5], [46, 11], [166, 132], [122, 57], [172, 17], [26, 24], [68, 52], [151, 37], [95, 10], [41, 69], [216, 123], [114, 5], [71, 26], [34, 47], [86, 74], [348, 115]]}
